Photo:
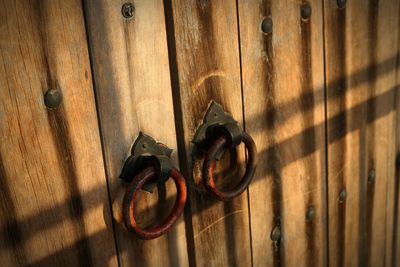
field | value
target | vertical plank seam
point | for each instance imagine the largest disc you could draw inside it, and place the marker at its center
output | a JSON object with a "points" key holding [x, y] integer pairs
{"points": [[244, 125], [326, 137], [370, 145], [179, 129], [102, 142], [397, 155]]}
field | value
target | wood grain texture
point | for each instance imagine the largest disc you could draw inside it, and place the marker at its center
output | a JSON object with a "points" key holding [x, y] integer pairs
{"points": [[54, 207], [395, 244], [283, 88], [360, 60], [205, 66], [133, 88], [393, 222]]}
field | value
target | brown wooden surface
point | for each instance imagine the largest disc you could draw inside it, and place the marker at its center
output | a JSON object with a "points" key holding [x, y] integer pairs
{"points": [[53, 196], [283, 87], [395, 244], [393, 221], [204, 52], [157, 73], [133, 88], [361, 52]]}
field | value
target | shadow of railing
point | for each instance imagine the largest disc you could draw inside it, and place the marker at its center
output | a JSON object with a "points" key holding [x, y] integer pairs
{"points": [[46, 219], [284, 145]]}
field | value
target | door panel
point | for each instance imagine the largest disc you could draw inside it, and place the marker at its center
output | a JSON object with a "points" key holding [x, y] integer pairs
{"points": [[283, 88], [393, 221], [133, 88], [392, 248], [314, 83], [54, 208], [205, 66], [361, 56]]}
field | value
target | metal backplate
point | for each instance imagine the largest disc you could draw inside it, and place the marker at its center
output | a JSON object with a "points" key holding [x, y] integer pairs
{"points": [[147, 152], [215, 122]]}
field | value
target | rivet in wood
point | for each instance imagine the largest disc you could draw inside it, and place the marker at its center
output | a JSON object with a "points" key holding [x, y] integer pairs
{"points": [[310, 214], [128, 10], [266, 25], [52, 98], [341, 3], [371, 176], [305, 11], [276, 233], [342, 196]]}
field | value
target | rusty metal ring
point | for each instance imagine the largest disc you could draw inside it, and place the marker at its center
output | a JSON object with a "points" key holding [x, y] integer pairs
{"points": [[209, 163], [128, 205]]}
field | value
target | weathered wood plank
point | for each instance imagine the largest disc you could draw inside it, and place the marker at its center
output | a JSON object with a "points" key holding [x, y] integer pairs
{"points": [[360, 72], [393, 222], [54, 207], [283, 87], [203, 40], [395, 241], [395, 244], [133, 88]]}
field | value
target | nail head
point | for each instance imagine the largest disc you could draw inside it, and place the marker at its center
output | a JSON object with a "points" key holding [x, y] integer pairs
{"points": [[128, 10], [341, 3], [342, 195], [52, 98], [276, 233], [371, 176], [310, 214], [266, 25], [305, 11]]}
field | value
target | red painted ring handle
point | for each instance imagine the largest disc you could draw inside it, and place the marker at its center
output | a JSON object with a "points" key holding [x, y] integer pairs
{"points": [[128, 205], [209, 164]]}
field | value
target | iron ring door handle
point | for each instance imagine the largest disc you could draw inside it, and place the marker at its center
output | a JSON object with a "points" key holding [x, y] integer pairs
{"points": [[128, 205], [216, 149], [219, 131], [150, 164]]}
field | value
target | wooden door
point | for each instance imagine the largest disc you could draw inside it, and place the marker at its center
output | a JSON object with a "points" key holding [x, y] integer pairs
{"points": [[54, 200], [133, 88], [362, 56], [284, 110], [314, 82]]}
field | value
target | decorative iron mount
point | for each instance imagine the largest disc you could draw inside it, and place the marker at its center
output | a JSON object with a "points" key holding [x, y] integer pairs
{"points": [[216, 122], [218, 133], [147, 152]]}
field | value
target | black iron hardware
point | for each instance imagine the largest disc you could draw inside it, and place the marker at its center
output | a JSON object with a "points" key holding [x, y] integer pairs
{"points": [[266, 25], [128, 10], [216, 122], [342, 196], [305, 11], [150, 164], [147, 152], [53, 98], [219, 132], [371, 176], [341, 3]]}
